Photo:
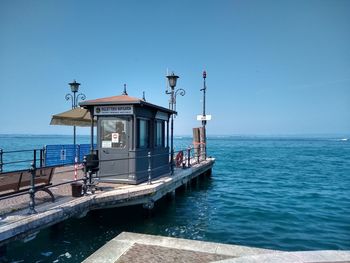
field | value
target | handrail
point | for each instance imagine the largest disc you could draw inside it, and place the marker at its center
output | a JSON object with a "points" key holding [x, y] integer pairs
{"points": [[33, 158], [14, 159], [13, 162], [80, 163], [26, 150]]}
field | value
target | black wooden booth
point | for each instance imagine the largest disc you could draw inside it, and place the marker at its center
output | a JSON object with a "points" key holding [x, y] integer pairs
{"points": [[128, 129]]}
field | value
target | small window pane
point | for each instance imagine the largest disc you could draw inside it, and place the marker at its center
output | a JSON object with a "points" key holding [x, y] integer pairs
{"points": [[159, 133], [143, 134], [113, 133]]}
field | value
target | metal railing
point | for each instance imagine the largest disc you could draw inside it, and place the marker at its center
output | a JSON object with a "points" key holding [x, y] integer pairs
{"points": [[49, 155], [30, 155], [184, 159]]}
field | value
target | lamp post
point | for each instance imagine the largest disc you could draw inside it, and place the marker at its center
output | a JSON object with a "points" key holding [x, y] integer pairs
{"points": [[204, 121], [172, 105], [74, 86]]}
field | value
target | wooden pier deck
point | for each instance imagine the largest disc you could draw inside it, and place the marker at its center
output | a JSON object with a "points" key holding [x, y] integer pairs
{"points": [[16, 223]]}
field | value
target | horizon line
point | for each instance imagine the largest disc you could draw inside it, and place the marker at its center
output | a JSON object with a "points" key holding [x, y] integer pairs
{"points": [[209, 135]]}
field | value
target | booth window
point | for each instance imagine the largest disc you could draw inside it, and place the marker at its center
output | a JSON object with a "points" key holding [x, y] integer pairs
{"points": [[143, 132], [113, 133], [159, 134]]}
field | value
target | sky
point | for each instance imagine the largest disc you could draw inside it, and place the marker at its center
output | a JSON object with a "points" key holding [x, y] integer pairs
{"points": [[273, 67]]}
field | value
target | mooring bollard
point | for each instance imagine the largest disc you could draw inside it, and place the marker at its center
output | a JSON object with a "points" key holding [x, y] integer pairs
{"points": [[149, 168], [32, 190], [189, 157]]}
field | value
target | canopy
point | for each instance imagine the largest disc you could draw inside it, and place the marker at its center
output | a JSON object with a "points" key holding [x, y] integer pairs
{"points": [[75, 117]]}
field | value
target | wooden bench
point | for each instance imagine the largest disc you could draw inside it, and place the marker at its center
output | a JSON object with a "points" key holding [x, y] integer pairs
{"points": [[20, 181]]}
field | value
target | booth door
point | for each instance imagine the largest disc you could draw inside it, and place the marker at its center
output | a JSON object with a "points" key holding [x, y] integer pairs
{"points": [[114, 148]]}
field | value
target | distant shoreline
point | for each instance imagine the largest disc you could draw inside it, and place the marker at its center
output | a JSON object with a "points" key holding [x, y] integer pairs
{"points": [[218, 136]]}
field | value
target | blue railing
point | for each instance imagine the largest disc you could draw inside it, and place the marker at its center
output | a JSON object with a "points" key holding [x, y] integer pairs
{"points": [[63, 154]]}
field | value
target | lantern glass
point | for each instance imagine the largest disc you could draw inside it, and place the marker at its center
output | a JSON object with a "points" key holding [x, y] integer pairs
{"points": [[74, 86], [172, 80]]}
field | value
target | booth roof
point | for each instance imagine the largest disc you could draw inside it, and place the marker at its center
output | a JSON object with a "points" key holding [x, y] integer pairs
{"points": [[122, 100]]}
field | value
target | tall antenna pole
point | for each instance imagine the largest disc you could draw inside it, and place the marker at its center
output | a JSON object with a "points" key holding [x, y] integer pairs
{"points": [[204, 121]]}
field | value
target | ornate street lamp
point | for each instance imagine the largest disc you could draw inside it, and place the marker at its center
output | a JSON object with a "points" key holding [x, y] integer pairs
{"points": [[172, 105], [204, 122], [74, 86]]}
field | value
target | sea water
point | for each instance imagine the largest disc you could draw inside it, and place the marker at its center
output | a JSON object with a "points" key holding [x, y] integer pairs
{"points": [[276, 193]]}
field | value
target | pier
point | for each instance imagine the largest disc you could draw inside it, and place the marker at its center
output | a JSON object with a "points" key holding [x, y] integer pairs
{"points": [[19, 224], [133, 162]]}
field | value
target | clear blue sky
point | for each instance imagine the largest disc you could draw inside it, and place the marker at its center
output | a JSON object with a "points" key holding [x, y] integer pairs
{"points": [[274, 67]]}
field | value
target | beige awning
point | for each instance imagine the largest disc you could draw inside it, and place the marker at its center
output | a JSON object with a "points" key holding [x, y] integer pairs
{"points": [[75, 117]]}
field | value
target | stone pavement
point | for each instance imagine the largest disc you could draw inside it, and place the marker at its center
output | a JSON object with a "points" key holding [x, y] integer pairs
{"points": [[132, 247], [139, 253]]}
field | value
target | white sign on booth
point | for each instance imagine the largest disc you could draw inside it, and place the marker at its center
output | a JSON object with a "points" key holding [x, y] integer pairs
{"points": [[114, 110], [115, 137]]}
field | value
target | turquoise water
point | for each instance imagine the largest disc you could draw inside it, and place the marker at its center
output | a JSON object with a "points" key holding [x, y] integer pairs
{"points": [[278, 193]]}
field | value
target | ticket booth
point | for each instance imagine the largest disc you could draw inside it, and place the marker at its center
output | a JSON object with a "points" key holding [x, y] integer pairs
{"points": [[128, 129]]}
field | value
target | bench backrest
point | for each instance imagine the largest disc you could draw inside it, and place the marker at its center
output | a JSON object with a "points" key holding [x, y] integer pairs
{"points": [[19, 179], [10, 181], [42, 176]]}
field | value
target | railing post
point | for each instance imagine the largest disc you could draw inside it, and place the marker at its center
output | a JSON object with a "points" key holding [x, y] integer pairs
{"points": [[1, 159], [32, 190], [85, 178], [198, 154], [34, 157], [78, 154], [172, 162], [189, 157], [44, 155], [90, 188], [149, 168], [41, 158]]}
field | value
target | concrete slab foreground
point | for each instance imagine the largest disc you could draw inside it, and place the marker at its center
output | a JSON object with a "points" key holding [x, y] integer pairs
{"points": [[132, 247], [324, 256], [140, 253], [149, 248]]}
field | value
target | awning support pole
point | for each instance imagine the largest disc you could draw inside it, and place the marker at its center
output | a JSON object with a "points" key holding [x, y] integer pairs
{"points": [[92, 130]]}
